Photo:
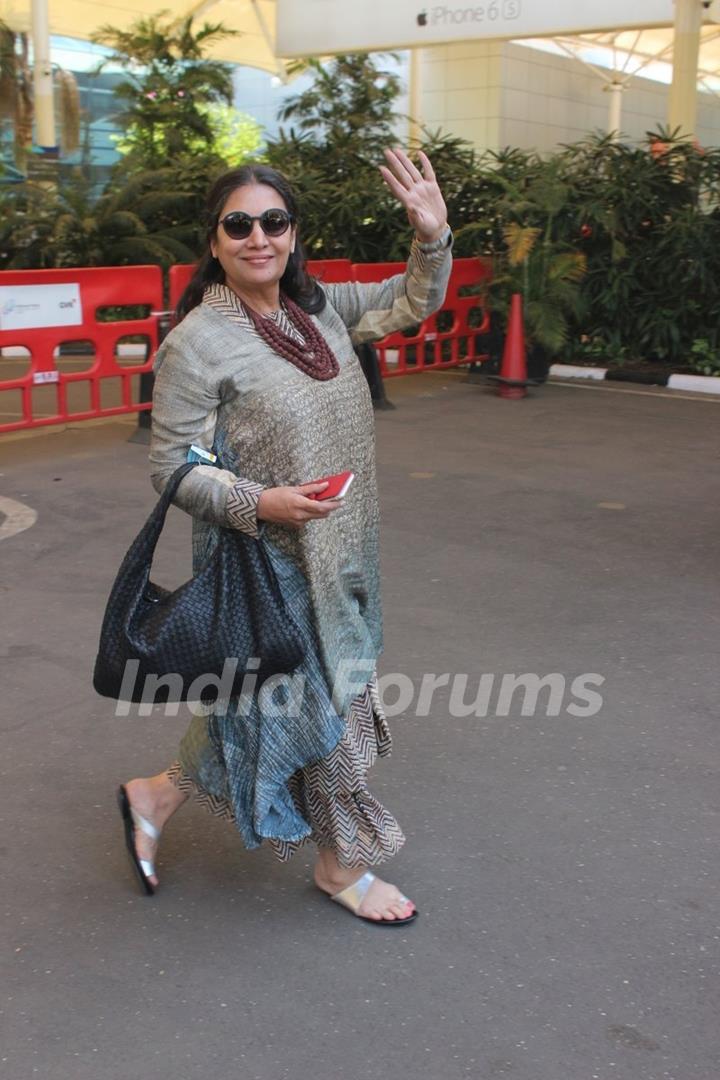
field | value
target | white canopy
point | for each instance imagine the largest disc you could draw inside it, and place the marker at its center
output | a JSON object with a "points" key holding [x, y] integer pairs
{"points": [[255, 19], [256, 22], [633, 51]]}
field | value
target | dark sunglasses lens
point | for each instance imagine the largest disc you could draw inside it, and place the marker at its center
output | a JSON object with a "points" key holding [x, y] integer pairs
{"points": [[275, 222], [238, 226]]}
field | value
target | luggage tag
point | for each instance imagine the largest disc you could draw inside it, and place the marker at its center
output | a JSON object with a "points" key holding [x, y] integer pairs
{"points": [[203, 457], [206, 457]]}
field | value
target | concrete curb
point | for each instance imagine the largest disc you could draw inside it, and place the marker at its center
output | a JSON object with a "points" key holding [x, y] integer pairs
{"points": [[700, 384]]}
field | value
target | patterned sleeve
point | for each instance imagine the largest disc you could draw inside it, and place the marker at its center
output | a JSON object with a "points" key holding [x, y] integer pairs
{"points": [[184, 413], [370, 311]]}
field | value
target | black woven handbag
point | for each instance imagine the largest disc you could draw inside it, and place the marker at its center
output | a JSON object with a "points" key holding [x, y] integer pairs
{"points": [[232, 609]]}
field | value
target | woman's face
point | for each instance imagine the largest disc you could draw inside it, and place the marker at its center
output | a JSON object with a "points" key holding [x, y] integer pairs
{"points": [[257, 262]]}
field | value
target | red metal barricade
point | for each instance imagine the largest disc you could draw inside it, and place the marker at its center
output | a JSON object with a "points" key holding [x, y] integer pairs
{"points": [[40, 383], [179, 279], [331, 271], [369, 272], [444, 340]]}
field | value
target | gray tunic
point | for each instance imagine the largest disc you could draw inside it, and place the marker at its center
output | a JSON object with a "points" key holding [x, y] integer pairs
{"points": [[222, 387]]}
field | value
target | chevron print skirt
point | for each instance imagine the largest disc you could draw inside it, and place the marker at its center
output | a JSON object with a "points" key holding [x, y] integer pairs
{"points": [[332, 794]]}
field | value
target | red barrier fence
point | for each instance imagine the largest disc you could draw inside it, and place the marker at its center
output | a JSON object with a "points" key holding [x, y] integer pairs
{"points": [[331, 271], [179, 278], [446, 339], [83, 369]]}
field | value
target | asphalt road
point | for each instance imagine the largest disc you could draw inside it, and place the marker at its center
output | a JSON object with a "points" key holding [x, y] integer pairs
{"points": [[566, 866]]}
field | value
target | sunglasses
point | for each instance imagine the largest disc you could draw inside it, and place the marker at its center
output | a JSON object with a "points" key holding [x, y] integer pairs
{"points": [[238, 225]]}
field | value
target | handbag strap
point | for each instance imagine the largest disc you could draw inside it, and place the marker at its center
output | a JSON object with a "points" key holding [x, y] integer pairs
{"points": [[147, 539], [170, 489], [150, 532]]}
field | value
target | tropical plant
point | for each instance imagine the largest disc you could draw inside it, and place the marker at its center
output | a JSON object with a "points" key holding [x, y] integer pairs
{"points": [[339, 128], [180, 133], [647, 219], [524, 234], [235, 138], [548, 276], [704, 359], [17, 99], [169, 88], [351, 99], [330, 154], [43, 226]]}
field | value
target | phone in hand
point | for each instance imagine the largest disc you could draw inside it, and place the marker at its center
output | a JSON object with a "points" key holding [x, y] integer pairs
{"points": [[338, 486]]}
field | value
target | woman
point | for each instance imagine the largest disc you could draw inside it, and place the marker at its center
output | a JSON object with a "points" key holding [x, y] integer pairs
{"points": [[261, 372]]}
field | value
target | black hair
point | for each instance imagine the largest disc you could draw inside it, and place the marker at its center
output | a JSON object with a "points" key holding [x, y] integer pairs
{"points": [[296, 282]]}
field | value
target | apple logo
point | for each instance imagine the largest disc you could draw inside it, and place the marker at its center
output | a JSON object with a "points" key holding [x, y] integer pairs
{"points": [[422, 18]]}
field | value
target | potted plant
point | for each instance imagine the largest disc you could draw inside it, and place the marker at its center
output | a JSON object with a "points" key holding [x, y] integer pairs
{"points": [[548, 277], [525, 235]]}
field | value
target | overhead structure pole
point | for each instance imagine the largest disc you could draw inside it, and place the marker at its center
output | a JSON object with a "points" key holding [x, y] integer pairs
{"points": [[415, 96], [615, 90], [42, 79], [682, 103], [618, 81]]}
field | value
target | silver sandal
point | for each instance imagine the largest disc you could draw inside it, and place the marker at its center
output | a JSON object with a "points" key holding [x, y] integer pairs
{"points": [[133, 821], [353, 895]]}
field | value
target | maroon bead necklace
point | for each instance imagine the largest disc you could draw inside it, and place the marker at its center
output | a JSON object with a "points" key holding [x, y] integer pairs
{"points": [[315, 358]]}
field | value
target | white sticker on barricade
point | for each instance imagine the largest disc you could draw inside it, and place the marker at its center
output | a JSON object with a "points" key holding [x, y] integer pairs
{"points": [[32, 307], [40, 377]]}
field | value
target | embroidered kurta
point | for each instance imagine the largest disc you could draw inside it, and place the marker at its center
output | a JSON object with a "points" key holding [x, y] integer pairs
{"points": [[220, 386]]}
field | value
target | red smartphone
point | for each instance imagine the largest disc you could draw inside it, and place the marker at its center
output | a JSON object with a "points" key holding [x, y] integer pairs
{"points": [[338, 486]]}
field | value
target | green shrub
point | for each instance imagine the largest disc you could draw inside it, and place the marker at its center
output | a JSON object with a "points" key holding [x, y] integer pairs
{"points": [[704, 357]]}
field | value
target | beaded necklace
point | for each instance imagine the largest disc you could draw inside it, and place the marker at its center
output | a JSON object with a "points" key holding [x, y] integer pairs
{"points": [[315, 358]]}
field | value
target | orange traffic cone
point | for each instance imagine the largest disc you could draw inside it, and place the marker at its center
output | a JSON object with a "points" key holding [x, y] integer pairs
{"points": [[512, 380]]}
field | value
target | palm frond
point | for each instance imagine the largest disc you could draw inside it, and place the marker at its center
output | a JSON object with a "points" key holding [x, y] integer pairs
{"points": [[122, 223], [174, 248], [520, 240], [567, 266], [163, 204], [8, 72], [138, 250], [68, 104], [546, 324]]}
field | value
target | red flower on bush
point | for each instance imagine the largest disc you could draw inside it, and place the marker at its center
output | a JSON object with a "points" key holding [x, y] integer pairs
{"points": [[658, 148]]}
